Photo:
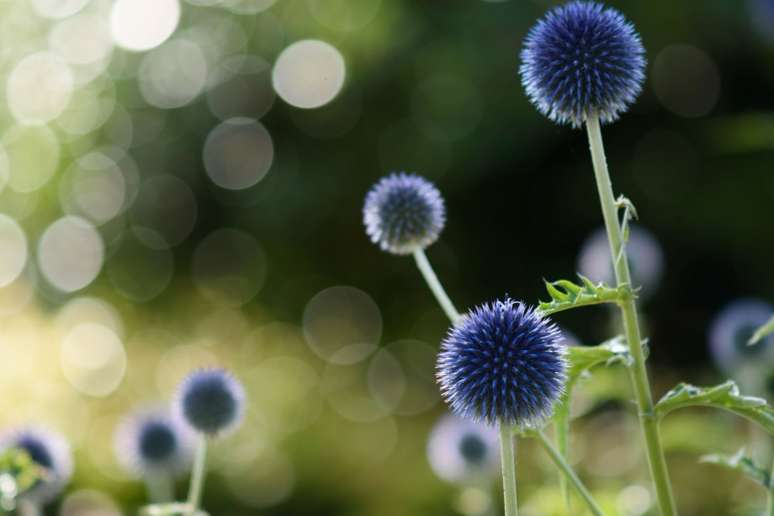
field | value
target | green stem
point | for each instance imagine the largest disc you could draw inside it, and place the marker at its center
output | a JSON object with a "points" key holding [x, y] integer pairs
{"points": [[638, 372], [569, 473], [197, 476], [508, 458], [562, 433], [159, 487], [435, 286]]}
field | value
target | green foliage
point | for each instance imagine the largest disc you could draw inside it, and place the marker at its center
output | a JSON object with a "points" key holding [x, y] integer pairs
{"points": [[566, 295], [725, 396], [18, 473], [741, 463], [762, 332], [169, 509]]}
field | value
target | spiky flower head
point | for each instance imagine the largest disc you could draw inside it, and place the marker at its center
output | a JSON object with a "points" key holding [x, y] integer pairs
{"points": [[582, 58], [210, 401], [502, 362], [151, 441], [49, 450], [463, 451], [404, 213]]}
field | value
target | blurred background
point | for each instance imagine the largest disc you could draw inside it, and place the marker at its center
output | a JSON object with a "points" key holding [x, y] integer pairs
{"points": [[181, 184]]}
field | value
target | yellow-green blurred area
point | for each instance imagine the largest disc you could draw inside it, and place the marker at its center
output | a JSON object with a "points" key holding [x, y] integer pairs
{"points": [[181, 185]]}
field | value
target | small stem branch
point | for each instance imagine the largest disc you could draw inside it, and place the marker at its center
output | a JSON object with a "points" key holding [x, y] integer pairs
{"points": [[569, 473], [509, 470], [638, 372], [435, 286], [197, 476]]}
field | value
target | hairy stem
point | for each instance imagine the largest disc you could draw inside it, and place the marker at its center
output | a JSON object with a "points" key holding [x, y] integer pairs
{"points": [[435, 286], [509, 469], [197, 476], [569, 473], [638, 371]]}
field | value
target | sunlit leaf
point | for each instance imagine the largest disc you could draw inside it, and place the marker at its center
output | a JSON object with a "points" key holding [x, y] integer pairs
{"points": [[762, 332], [566, 295], [741, 463], [725, 396]]}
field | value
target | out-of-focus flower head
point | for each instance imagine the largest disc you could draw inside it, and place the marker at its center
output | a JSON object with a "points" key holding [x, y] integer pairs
{"points": [[404, 213], [210, 401], [463, 451]]}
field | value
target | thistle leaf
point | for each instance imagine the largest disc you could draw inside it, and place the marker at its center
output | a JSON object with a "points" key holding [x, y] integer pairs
{"points": [[566, 294], [762, 332], [741, 463], [725, 396], [582, 358]]}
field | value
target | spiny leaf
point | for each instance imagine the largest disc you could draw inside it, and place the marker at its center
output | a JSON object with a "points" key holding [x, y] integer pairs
{"points": [[725, 396], [741, 463], [583, 358], [566, 295], [762, 332]]}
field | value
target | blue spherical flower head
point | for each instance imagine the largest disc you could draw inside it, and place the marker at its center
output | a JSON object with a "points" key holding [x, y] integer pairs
{"points": [[211, 401], [582, 59], [463, 451], [47, 449], [502, 363], [404, 213], [150, 441]]}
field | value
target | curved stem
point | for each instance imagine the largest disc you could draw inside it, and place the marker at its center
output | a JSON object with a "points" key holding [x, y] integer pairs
{"points": [[638, 372], [562, 434], [569, 473], [197, 476], [435, 286], [508, 458]]}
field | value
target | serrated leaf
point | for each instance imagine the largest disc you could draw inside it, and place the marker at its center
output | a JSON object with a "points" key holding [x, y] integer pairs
{"points": [[725, 396], [583, 358], [762, 332], [566, 294], [741, 463]]}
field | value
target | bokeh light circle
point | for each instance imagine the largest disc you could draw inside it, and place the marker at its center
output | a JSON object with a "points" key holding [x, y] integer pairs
{"points": [[93, 187], [93, 359], [309, 74], [33, 154], [81, 39], [401, 376], [140, 25], [173, 75], [166, 205], [138, 271], [686, 80], [240, 86], [13, 242], [342, 325], [238, 153], [229, 267], [39, 88], [70, 253], [58, 8]]}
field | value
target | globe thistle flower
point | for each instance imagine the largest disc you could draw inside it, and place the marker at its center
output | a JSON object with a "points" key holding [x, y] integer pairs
{"points": [[730, 333], [582, 59], [150, 442], [502, 363], [210, 401], [404, 213], [49, 450], [463, 451], [646, 259]]}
